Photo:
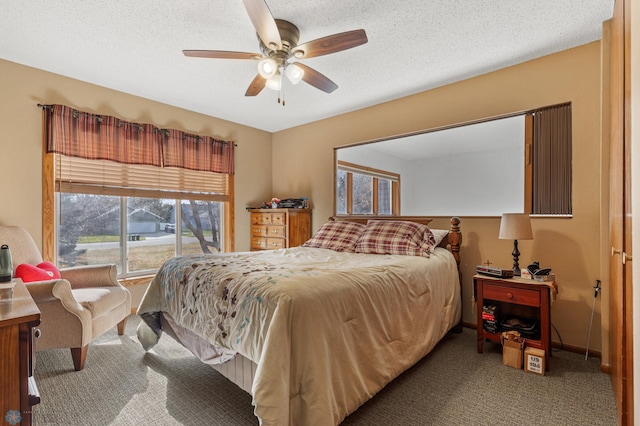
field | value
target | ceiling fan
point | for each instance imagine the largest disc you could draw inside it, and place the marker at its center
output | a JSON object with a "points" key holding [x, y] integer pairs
{"points": [[280, 51]]}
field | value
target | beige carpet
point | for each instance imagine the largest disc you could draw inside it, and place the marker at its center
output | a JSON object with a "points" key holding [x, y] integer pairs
{"points": [[454, 385]]}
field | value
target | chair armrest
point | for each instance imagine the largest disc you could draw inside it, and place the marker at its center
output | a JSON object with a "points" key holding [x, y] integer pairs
{"points": [[42, 291], [58, 290], [91, 276]]}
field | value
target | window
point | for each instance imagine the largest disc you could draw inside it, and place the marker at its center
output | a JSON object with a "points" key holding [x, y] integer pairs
{"points": [[159, 197], [92, 230], [108, 212], [366, 191]]}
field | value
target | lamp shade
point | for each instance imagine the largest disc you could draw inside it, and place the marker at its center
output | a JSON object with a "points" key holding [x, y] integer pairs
{"points": [[267, 68], [274, 83], [515, 226], [294, 73]]}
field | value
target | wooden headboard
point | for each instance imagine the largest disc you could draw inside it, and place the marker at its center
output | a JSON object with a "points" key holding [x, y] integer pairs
{"points": [[452, 242]]}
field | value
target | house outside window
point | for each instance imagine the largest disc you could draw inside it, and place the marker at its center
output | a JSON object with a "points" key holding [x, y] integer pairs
{"points": [[93, 230]]}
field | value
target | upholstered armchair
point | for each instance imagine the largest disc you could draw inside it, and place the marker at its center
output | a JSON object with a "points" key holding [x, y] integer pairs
{"points": [[83, 304]]}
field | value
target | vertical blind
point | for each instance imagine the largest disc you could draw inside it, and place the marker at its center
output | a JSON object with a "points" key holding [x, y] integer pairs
{"points": [[551, 176]]}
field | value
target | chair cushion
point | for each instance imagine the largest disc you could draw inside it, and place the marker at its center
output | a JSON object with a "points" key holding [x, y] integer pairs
{"points": [[99, 300]]}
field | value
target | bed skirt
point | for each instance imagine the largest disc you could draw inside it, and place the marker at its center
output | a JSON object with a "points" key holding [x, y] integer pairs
{"points": [[238, 369]]}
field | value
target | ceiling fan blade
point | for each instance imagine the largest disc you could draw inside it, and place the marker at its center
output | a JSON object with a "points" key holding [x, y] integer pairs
{"points": [[264, 23], [316, 79], [256, 86], [330, 44], [221, 54]]}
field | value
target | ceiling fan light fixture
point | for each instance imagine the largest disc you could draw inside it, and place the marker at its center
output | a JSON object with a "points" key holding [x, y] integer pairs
{"points": [[274, 83], [267, 68], [294, 73]]}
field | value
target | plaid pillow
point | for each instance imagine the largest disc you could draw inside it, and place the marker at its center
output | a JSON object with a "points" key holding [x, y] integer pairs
{"points": [[337, 236], [396, 237]]}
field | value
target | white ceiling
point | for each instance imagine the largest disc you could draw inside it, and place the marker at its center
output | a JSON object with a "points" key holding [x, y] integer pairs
{"points": [[414, 45]]}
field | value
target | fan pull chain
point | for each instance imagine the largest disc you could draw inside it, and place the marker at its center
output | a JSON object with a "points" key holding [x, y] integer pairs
{"points": [[281, 93]]}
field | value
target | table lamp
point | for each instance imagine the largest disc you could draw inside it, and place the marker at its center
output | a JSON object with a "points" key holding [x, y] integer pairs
{"points": [[515, 226]]}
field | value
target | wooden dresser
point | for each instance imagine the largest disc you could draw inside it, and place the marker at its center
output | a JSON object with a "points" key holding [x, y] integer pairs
{"points": [[18, 391], [279, 228]]}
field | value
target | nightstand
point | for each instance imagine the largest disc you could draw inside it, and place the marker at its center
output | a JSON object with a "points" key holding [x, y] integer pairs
{"points": [[19, 316], [517, 297]]}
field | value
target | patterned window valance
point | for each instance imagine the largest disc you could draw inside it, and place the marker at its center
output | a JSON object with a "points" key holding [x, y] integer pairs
{"points": [[91, 136]]}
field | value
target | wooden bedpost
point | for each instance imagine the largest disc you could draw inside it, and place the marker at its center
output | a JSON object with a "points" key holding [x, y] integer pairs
{"points": [[455, 240]]}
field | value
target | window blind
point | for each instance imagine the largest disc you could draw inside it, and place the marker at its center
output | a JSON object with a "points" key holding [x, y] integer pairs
{"points": [[103, 177], [551, 175]]}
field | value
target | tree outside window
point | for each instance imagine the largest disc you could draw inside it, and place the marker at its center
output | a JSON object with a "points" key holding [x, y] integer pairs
{"points": [[92, 229], [366, 191]]}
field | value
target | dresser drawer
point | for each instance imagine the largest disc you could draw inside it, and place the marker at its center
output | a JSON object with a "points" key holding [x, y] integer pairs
{"points": [[258, 243], [258, 230], [519, 296], [278, 219], [256, 218], [275, 231], [268, 219], [268, 231]]}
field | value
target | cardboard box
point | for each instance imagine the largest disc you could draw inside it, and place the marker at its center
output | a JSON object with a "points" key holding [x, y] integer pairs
{"points": [[545, 278], [534, 361], [512, 353]]}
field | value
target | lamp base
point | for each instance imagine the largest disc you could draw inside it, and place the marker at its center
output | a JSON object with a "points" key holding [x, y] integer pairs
{"points": [[516, 257]]}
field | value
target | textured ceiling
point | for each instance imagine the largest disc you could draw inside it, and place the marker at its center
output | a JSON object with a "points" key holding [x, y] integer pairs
{"points": [[414, 45]]}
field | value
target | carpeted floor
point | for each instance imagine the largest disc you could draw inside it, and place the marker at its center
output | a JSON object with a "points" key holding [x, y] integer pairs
{"points": [[454, 385]]}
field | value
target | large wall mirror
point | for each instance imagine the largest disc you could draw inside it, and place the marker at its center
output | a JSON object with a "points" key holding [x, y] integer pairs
{"points": [[484, 168]]}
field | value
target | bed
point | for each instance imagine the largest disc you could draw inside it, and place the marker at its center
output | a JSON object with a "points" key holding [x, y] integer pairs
{"points": [[313, 332]]}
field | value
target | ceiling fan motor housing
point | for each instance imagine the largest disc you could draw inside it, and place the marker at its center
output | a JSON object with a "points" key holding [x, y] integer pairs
{"points": [[289, 35]]}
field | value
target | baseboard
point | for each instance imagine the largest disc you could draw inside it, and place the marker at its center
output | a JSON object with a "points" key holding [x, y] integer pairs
{"points": [[558, 345]]}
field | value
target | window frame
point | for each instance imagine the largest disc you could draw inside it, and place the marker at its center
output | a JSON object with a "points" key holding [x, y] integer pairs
{"points": [[49, 229], [375, 174]]}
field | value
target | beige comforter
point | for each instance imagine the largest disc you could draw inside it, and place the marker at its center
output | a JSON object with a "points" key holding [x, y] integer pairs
{"points": [[327, 330]]}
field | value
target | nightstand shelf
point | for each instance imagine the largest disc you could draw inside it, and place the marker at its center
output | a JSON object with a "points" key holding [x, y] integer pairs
{"points": [[518, 297]]}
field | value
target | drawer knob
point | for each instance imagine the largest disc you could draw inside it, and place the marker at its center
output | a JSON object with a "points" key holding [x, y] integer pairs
{"points": [[509, 296], [37, 333]]}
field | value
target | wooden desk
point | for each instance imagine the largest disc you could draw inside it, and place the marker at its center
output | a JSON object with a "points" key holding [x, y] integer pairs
{"points": [[18, 317], [521, 297]]}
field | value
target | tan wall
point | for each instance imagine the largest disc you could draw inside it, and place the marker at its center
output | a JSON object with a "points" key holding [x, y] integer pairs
{"points": [[572, 247], [22, 88], [302, 162]]}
